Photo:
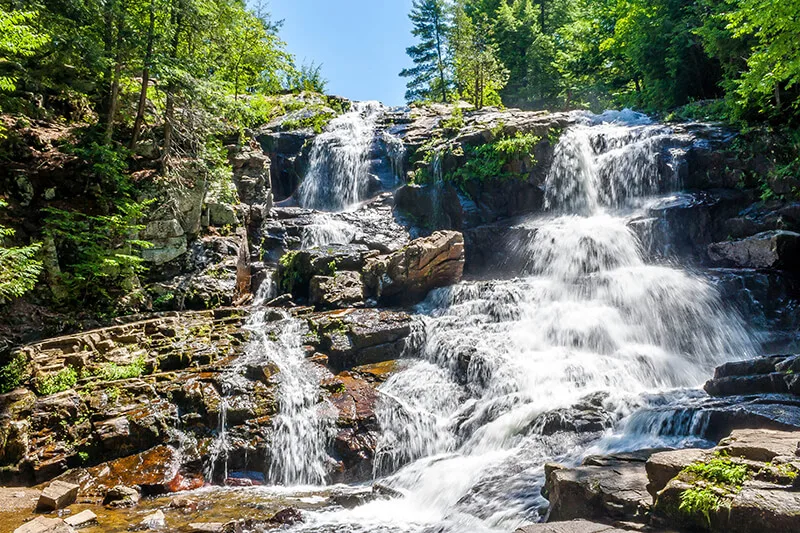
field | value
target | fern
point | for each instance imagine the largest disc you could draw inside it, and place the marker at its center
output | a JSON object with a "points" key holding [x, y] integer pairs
{"points": [[19, 268]]}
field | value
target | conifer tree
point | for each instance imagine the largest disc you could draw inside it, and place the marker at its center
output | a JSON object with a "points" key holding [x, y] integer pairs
{"points": [[430, 77]]}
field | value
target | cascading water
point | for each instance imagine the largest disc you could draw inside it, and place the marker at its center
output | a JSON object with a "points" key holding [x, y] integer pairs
{"points": [[465, 426], [338, 171], [302, 427]]}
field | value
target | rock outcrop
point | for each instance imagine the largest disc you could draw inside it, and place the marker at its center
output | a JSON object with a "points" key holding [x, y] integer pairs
{"points": [[406, 276], [745, 484], [770, 249]]}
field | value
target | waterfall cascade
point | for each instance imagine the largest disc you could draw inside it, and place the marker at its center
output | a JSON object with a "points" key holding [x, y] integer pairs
{"points": [[338, 173], [591, 323]]}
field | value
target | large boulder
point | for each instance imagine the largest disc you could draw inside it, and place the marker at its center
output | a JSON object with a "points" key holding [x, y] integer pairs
{"points": [[341, 290], [354, 337], [612, 489], [770, 249], [406, 276]]}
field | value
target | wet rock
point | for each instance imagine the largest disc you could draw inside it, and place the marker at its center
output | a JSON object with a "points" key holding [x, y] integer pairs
{"points": [[57, 495], [406, 276], [771, 249], [82, 519], [298, 268], [616, 490], [343, 289], [354, 337], [587, 416], [121, 496], [287, 516], [206, 527], [573, 526], [42, 524], [153, 521], [758, 376]]}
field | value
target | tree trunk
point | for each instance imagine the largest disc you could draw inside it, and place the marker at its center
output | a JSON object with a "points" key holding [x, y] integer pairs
{"points": [[114, 96], [169, 109], [441, 59], [148, 58]]}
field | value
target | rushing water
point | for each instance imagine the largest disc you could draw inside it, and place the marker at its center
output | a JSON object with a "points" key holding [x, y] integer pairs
{"points": [[592, 328], [338, 171], [464, 426]]}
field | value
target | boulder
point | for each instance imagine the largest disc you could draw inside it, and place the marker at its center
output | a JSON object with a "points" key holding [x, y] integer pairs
{"points": [[770, 249], [406, 276], [764, 375], [156, 520], [82, 519], [121, 496], [614, 491], [354, 337], [572, 526], [343, 289], [298, 267], [661, 467], [57, 495], [42, 524]]}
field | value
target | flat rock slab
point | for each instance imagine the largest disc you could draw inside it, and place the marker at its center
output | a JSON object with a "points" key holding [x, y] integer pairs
{"points": [[82, 519], [57, 495], [42, 524], [573, 526], [206, 527], [761, 444]]}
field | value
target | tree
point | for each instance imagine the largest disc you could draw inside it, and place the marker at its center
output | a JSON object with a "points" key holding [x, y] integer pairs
{"points": [[18, 39], [480, 75], [771, 81], [430, 77]]}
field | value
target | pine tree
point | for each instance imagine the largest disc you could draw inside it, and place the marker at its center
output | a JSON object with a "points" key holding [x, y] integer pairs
{"points": [[430, 77]]}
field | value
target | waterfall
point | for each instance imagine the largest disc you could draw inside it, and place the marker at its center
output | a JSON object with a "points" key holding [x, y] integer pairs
{"points": [[302, 427], [338, 172], [592, 327]]}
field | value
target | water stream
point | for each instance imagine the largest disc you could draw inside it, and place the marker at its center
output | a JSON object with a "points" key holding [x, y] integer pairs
{"points": [[592, 330]]}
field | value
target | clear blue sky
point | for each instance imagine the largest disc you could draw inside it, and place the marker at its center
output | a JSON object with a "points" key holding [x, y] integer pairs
{"points": [[361, 44]]}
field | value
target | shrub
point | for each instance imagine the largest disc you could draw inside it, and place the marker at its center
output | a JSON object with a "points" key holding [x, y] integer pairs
{"points": [[13, 373], [53, 383], [113, 372]]}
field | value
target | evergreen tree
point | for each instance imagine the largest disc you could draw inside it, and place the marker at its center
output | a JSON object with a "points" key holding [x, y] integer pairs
{"points": [[430, 77]]}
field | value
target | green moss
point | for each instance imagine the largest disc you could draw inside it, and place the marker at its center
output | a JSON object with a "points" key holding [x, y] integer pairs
{"points": [[53, 383]]}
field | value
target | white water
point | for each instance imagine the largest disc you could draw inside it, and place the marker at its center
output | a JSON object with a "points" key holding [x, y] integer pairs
{"points": [[302, 427], [462, 438], [338, 166]]}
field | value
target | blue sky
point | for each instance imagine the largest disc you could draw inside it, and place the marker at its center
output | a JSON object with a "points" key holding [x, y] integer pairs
{"points": [[360, 43]]}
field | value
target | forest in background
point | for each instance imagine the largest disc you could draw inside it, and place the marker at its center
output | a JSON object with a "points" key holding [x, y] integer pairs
{"points": [[736, 60]]}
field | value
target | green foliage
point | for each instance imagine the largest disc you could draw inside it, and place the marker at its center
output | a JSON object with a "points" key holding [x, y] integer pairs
{"points": [[113, 372], [58, 382], [480, 75], [719, 470], [489, 161], [101, 253], [431, 77], [14, 373], [316, 120], [290, 274], [701, 501], [19, 268], [307, 78], [106, 167], [18, 39], [453, 124]]}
